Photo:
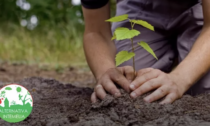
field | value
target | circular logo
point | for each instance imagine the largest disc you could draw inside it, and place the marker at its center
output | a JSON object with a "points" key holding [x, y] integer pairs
{"points": [[16, 103]]}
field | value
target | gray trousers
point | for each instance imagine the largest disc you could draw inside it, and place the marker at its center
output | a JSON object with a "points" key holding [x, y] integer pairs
{"points": [[177, 24]]}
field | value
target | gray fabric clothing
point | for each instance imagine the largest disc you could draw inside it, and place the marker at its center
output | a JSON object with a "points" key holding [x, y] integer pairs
{"points": [[177, 25]]}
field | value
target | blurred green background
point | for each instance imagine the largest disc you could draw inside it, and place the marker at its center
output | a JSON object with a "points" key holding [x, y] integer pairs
{"points": [[43, 32]]}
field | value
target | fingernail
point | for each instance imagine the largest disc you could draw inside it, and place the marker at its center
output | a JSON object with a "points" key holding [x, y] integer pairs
{"points": [[94, 101], [133, 95], [132, 87], [147, 99], [161, 103], [117, 94], [98, 86]]}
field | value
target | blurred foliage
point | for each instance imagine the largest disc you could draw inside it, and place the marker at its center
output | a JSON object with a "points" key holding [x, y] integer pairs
{"points": [[52, 48], [50, 13], [55, 38]]}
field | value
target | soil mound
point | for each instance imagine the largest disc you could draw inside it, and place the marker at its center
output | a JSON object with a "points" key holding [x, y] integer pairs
{"points": [[57, 104]]}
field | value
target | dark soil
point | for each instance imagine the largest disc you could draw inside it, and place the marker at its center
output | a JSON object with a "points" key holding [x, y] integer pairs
{"points": [[57, 104]]}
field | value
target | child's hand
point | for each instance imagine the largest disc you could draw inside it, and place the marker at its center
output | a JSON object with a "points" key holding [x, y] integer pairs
{"points": [[122, 76], [149, 79]]}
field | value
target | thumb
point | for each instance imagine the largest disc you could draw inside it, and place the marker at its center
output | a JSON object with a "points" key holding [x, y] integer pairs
{"points": [[128, 71]]}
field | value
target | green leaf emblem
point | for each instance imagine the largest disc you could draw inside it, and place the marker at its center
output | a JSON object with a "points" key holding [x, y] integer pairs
{"points": [[147, 48], [3, 92], [123, 56], [8, 88]]}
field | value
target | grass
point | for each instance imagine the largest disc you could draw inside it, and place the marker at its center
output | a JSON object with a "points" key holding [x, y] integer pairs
{"points": [[52, 47]]}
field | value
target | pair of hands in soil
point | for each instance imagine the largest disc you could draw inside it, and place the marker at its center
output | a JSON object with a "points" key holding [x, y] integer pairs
{"points": [[146, 80]]}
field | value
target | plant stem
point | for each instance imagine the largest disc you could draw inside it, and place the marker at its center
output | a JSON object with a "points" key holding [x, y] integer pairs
{"points": [[132, 24], [133, 49], [133, 57]]}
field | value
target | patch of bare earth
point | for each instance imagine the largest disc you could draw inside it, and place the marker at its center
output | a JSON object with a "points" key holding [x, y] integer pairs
{"points": [[76, 76], [58, 104]]}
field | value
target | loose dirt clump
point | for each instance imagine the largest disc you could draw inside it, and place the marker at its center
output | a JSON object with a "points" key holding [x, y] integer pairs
{"points": [[57, 104]]}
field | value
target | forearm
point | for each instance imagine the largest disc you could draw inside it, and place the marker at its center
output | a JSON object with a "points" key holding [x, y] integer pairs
{"points": [[99, 49], [196, 64], [100, 54]]}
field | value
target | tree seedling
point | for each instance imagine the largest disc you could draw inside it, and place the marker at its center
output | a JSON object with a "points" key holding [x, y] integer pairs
{"points": [[122, 33]]}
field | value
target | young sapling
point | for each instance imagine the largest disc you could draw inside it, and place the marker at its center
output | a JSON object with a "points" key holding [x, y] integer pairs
{"points": [[122, 33]]}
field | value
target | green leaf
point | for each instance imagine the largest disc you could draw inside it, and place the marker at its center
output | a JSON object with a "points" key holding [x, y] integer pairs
{"points": [[114, 36], [118, 18], [144, 24], [124, 33], [123, 56], [28, 93], [147, 48], [8, 88]]}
